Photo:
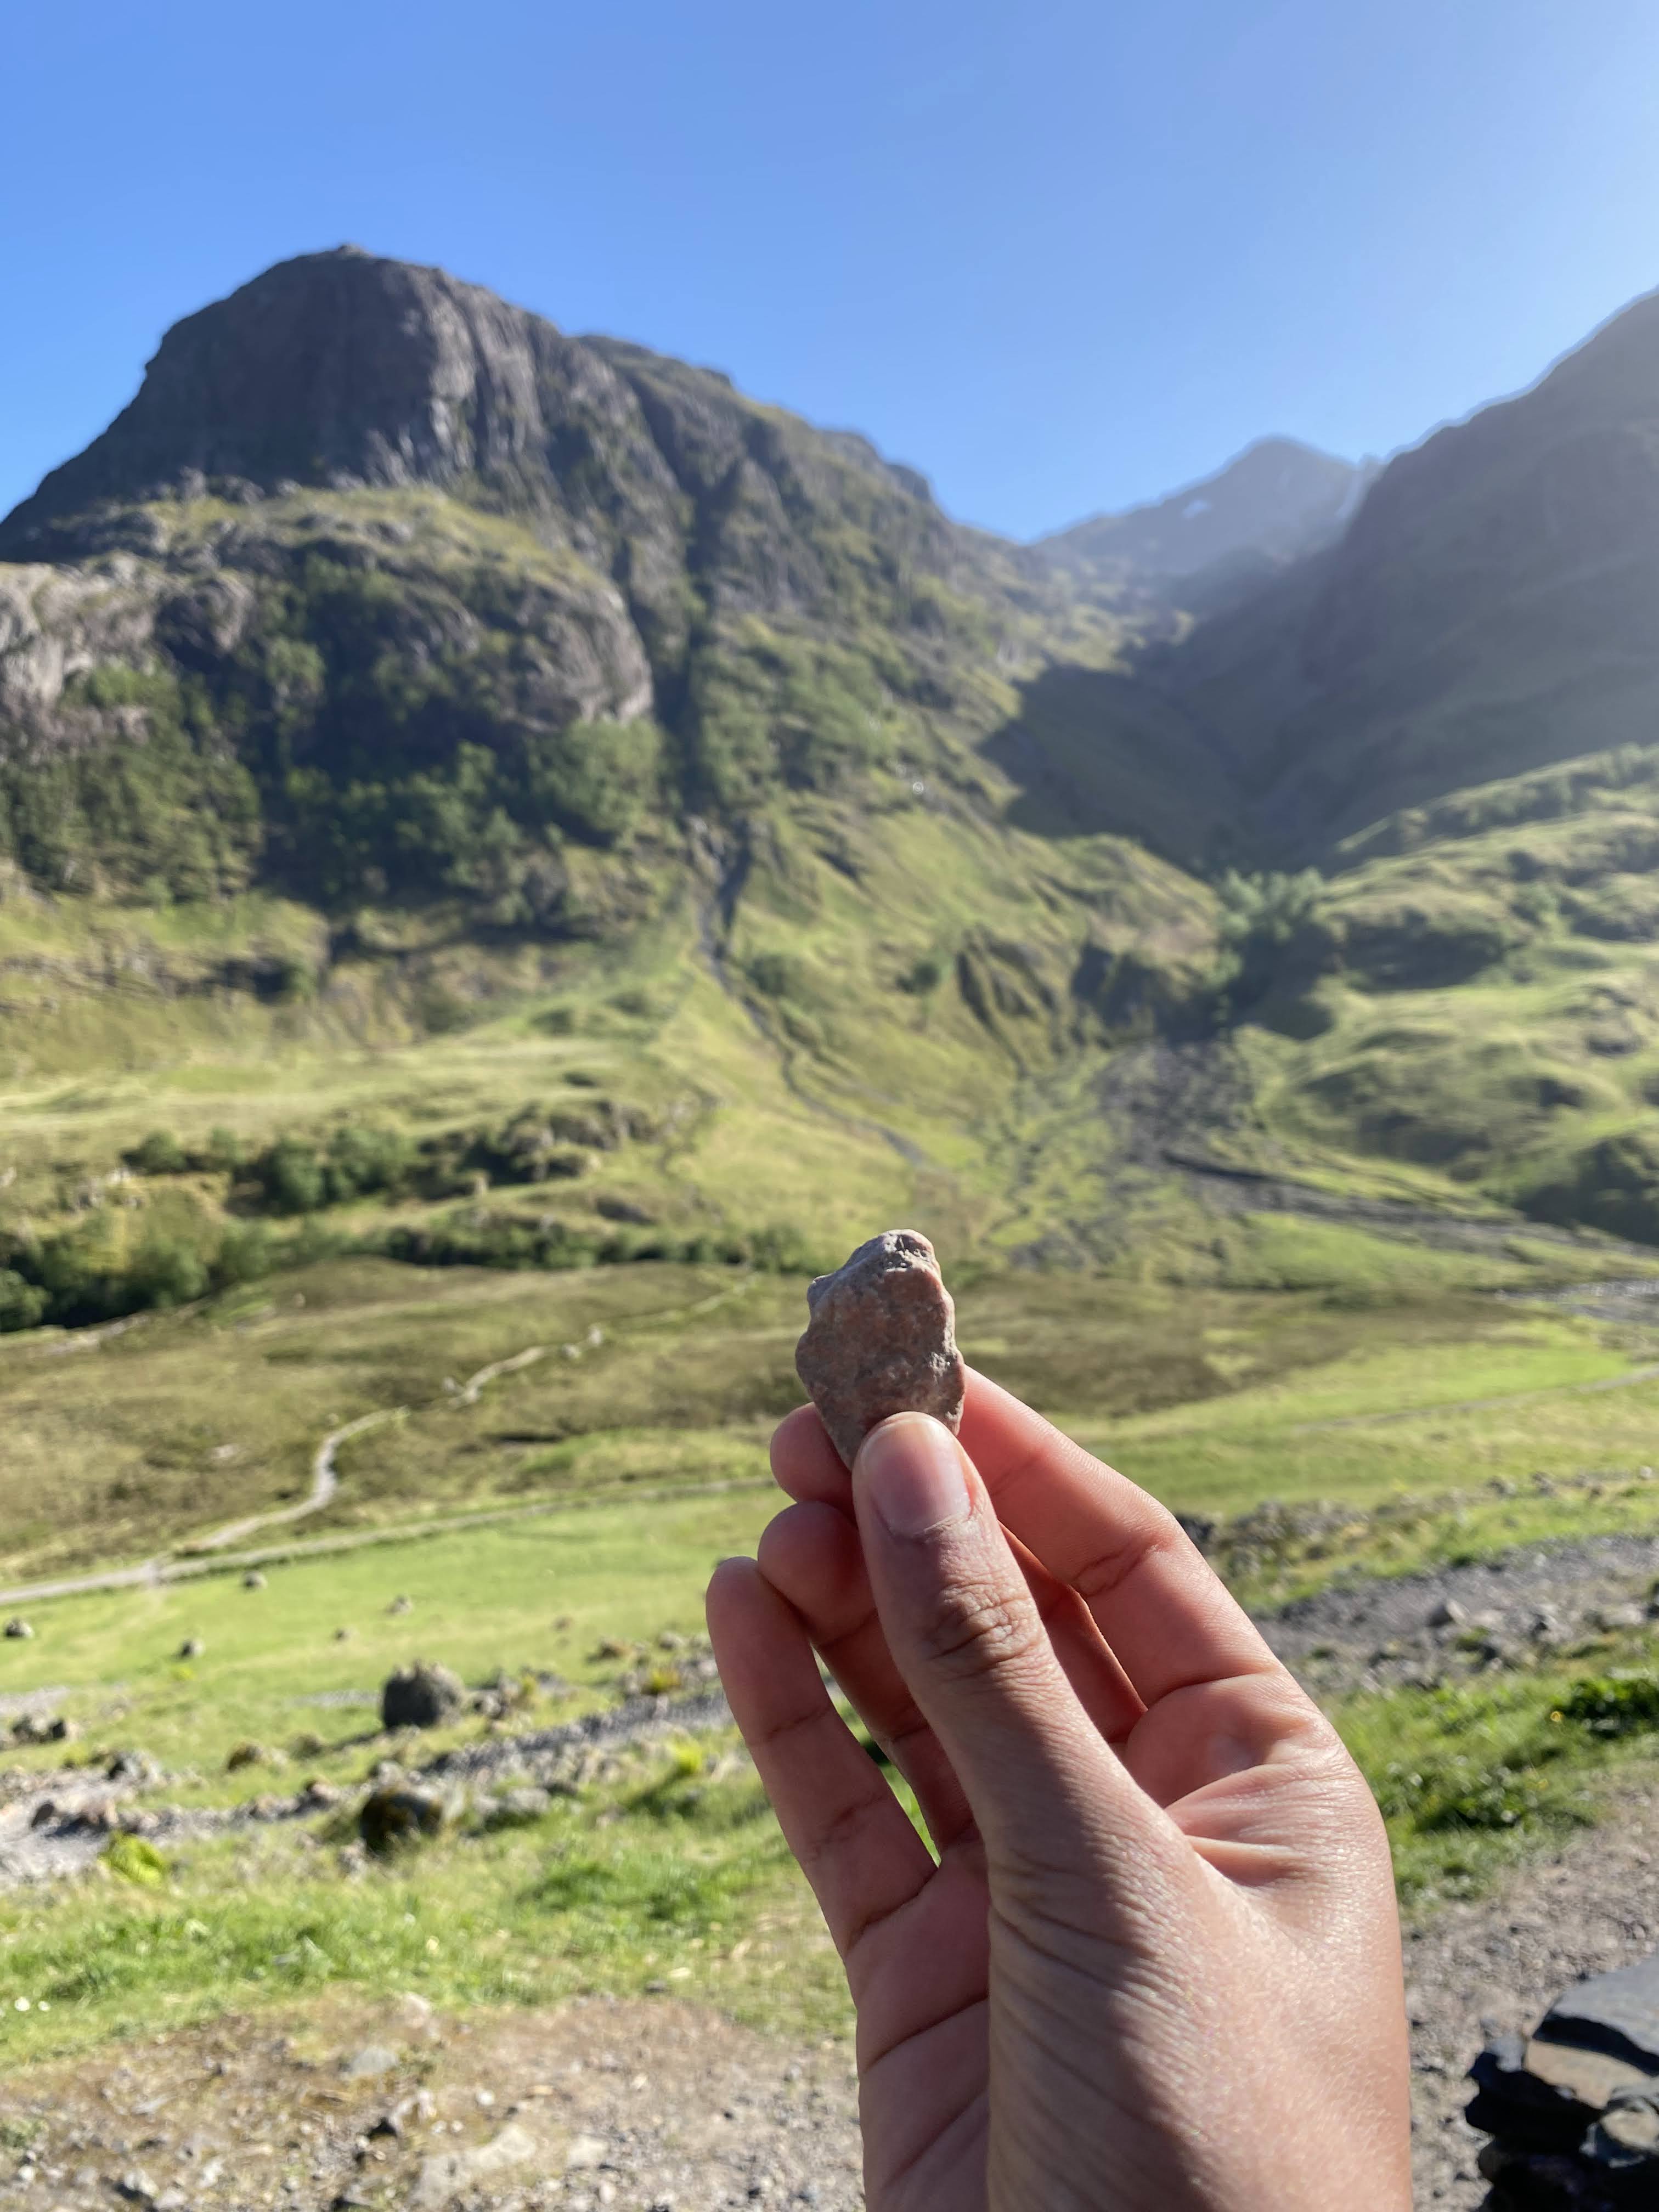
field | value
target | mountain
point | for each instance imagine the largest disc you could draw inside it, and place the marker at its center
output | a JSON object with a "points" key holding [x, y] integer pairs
{"points": [[1270, 505], [396, 667], [406, 695], [1492, 607], [367, 532]]}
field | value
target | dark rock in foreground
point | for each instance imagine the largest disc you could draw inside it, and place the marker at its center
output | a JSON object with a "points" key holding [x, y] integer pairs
{"points": [[1573, 2108], [420, 1695]]}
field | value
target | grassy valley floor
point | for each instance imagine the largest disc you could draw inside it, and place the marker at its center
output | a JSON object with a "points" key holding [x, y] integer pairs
{"points": [[544, 1526]]}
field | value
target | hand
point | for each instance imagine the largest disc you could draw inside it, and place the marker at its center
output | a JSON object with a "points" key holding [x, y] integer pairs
{"points": [[1157, 1964]]}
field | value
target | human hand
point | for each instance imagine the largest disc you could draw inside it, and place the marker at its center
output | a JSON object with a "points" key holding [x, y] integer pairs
{"points": [[1156, 1964]]}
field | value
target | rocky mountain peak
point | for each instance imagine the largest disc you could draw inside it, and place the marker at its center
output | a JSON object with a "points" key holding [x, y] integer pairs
{"points": [[345, 368], [1273, 502]]}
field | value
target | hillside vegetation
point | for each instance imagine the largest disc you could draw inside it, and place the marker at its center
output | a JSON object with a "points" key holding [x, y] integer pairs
{"points": [[469, 793]]}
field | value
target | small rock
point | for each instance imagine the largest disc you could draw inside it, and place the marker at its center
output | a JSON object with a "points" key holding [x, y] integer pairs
{"points": [[515, 1809], [247, 1754], [448, 2173], [420, 1695], [368, 2064], [254, 1579], [318, 1795], [1608, 1617], [881, 1339], [585, 2152], [191, 1648], [392, 1817], [343, 1636], [1199, 1529], [17, 1629], [132, 1766], [1447, 1614], [401, 1604]]}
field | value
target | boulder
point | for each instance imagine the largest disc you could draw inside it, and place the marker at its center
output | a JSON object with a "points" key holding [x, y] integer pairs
{"points": [[423, 1695], [400, 1814]]}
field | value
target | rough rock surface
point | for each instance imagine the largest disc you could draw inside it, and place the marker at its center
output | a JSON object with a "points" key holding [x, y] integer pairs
{"points": [[881, 1341]]}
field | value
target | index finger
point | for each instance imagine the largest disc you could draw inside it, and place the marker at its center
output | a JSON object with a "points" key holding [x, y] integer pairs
{"points": [[1166, 1614], [1165, 1611]]}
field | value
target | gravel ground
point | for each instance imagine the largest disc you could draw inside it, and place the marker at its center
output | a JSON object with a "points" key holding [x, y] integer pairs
{"points": [[1494, 1965], [1390, 1630], [648, 2106]]}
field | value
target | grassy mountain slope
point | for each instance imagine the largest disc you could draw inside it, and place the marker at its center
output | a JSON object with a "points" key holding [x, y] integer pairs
{"points": [[413, 720]]}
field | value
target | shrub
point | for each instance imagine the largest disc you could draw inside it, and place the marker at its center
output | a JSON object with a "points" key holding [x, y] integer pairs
{"points": [[291, 1177], [1261, 917], [135, 1860], [166, 1272], [222, 1154], [158, 1154], [1614, 1704], [595, 780], [23, 1305], [361, 1161], [245, 1253]]}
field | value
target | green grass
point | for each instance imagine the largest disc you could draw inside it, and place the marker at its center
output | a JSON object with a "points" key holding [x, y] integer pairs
{"points": [[542, 1592], [671, 1873], [1214, 1396], [668, 1867], [1472, 1775]]}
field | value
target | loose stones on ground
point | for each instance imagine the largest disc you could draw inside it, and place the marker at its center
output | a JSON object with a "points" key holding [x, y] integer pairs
{"points": [[881, 1339], [1573, 2111]]}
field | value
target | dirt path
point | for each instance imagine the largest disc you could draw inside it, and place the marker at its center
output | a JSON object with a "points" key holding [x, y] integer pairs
{"points": [[208, 1553], [324, 1481]]}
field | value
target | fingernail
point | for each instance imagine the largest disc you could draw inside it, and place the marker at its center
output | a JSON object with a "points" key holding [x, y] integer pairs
{"points": [[911, 1471]]}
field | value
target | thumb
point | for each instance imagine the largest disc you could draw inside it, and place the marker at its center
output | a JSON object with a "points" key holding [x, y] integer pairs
{"points": [[965, 1633]]}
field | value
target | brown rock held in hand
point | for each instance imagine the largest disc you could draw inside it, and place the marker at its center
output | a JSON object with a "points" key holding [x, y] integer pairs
{"points": [[881, 1341]]}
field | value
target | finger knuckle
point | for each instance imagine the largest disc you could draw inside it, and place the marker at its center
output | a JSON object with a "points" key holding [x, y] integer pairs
{"points": [[977, 1628]]}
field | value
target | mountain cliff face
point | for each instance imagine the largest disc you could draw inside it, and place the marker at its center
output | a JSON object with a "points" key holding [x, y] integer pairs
{"points": [[372, 547]]}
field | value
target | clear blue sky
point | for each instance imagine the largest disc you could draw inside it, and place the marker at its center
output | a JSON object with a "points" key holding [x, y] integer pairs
{"points": [[1060, 254]]}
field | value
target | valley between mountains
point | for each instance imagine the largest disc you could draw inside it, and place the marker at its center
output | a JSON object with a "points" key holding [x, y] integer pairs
{"points": [[513, 855]]}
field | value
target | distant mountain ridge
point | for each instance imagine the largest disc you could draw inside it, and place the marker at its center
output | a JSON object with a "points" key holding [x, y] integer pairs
{"points": [[1274, 502], [1491, 606]]}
